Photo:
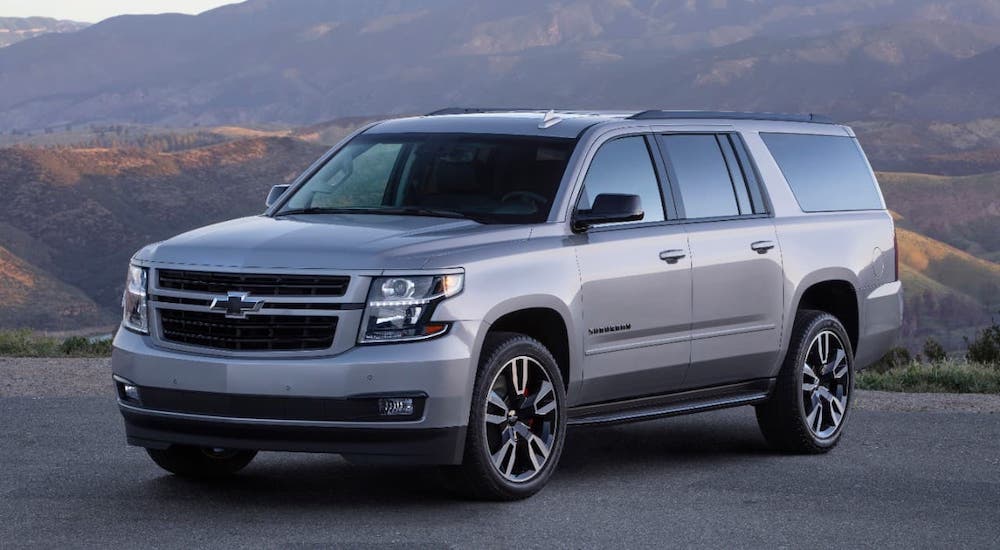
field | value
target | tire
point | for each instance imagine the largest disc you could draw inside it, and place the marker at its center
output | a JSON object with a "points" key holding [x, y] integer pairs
{"points": [[200, 463], [524, 467], [810, 380]]}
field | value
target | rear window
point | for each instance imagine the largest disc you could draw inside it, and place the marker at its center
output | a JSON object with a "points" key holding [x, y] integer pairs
{"points": [[826, 173]]}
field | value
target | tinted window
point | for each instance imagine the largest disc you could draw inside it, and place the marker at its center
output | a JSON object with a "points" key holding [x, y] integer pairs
{"points": [[624, 166], [702, 175], [825, 172], [493, 178]]}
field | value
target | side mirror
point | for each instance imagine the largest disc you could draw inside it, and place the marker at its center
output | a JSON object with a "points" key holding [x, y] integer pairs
{"points": [[276, 192], [609, 208]]}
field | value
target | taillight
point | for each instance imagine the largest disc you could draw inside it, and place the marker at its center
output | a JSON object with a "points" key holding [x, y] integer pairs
{"points": [[895, 251]]}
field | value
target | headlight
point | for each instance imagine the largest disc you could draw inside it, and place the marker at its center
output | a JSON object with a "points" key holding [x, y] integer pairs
{"points": [[400, 308], [134, 313]]}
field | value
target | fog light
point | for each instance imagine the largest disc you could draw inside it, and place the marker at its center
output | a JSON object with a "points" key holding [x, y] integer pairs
{"points": [[395, 406], [131, 392]]}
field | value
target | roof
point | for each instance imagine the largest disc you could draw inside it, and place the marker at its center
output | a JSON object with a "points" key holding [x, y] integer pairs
{"points": [[557, 123]]}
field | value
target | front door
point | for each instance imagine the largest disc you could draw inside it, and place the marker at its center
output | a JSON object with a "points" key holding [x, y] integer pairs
{"points": [[636, 284]]}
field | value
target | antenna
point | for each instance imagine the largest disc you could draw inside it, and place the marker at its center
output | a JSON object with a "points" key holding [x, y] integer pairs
{"points": [[549, 120]]}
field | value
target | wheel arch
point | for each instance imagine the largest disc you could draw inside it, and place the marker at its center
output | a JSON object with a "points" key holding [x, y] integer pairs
{"points": [[834, 292], [546, 319]]}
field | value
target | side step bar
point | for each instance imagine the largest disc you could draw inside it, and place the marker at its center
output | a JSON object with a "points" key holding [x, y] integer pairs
{"points": [[659, 406]]}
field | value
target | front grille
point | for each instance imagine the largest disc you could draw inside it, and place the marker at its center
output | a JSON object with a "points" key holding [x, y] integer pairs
{"points": [[255, 333], [254, 283]]}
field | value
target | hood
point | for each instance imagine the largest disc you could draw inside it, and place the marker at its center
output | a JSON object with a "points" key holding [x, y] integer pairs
{"points": [[328, 241]]}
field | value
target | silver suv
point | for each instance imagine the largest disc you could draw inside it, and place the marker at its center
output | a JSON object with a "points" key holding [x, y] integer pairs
{"points": [[460, 288]]}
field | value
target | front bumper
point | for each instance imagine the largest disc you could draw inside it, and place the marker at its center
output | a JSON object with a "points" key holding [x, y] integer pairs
{"points": [[159, 430], [295, 397]]}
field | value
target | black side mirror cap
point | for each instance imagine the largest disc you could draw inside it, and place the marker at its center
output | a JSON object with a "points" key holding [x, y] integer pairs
{"points": [[276, 192], [609, 208]]}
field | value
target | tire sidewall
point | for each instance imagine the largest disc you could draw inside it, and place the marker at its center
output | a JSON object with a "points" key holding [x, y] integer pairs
{"points": [[818, 325], [506, 350]]}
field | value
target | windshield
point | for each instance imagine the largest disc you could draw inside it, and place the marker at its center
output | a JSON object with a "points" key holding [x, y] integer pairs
{"points": [[488, 178]]}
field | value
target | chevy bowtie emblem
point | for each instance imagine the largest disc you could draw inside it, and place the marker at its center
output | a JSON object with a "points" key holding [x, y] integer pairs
{"points": [[237, 304]]}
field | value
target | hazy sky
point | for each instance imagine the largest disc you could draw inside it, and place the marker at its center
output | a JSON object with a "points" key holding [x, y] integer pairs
{"points": [[95, 10]]}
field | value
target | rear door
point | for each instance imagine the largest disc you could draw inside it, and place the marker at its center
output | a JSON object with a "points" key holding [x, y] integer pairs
{"points": [[636, 282], [737, 277]]}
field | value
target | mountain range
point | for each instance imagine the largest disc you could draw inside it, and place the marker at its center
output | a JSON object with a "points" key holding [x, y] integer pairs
{"points": [[137, 128], [297, 62], [16, 29]]}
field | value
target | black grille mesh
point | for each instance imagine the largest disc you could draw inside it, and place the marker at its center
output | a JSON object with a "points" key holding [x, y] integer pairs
{"points": [[255, 333], [254, 283]]}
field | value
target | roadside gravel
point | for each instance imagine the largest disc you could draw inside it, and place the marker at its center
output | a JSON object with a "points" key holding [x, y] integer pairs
{"points": [[62, 377], [57, 377]]}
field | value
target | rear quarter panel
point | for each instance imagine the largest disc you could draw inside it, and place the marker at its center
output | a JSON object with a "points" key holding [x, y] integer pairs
{"points": [[853, 246]]}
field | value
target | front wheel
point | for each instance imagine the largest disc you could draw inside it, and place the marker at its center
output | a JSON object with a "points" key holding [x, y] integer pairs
{"points": [[812, 394], [199, 462], [518, 420]]}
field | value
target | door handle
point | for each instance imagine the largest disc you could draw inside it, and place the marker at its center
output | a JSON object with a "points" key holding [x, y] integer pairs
{"points": [[761, 247], [672, 256]]}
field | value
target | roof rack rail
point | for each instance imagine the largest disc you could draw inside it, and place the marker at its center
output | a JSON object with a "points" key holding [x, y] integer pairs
{"points": [[480, 110], [657, 113]]}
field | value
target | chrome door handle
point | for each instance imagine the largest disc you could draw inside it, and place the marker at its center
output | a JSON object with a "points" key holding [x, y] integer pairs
{"points": [[672, 256], [761, 247]]}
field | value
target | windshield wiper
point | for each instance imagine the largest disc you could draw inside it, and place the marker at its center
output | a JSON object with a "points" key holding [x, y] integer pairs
{"points": [[320, 210], [393, 211], [432, 212]]}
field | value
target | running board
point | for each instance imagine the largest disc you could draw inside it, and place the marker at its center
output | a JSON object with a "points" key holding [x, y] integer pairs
{"points": [[659, 406]]}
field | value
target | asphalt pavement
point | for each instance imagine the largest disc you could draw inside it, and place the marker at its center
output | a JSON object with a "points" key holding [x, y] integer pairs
{"points": [[913, 479]]}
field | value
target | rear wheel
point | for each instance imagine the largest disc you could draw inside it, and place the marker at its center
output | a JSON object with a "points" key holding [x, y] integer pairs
{"points": [[201, 462], [518, 420], [812, 395]]}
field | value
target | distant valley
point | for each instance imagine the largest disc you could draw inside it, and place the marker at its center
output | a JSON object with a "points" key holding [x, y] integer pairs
{"points": [[73, 216]]}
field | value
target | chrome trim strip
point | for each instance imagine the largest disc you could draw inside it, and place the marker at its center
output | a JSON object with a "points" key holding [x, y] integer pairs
{"points": [[260, 312], [674, 339], [732, 331], [636, 345], [287, 299]]}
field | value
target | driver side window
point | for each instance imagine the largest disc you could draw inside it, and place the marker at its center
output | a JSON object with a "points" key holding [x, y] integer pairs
{"points": [[624, 166]]}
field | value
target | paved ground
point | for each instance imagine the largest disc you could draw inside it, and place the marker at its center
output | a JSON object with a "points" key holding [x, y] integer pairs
{"points": [[914, 479]]}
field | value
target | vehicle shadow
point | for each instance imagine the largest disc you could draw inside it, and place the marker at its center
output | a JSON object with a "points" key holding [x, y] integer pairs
{"points": [[628, 453]]}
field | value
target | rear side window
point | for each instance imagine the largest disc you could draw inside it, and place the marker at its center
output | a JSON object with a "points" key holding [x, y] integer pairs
{"points": [[712, 175], [826, 173]]}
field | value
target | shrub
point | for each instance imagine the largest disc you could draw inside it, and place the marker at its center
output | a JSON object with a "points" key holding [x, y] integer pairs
{"points": [[24, 343], [946, 376], [934, 351], [985, 347], [78, 346], [895, 358]]}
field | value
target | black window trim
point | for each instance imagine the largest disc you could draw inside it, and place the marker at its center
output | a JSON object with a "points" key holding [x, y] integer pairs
{"points": [[743, 157], [760, 200], [741, 190]]}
